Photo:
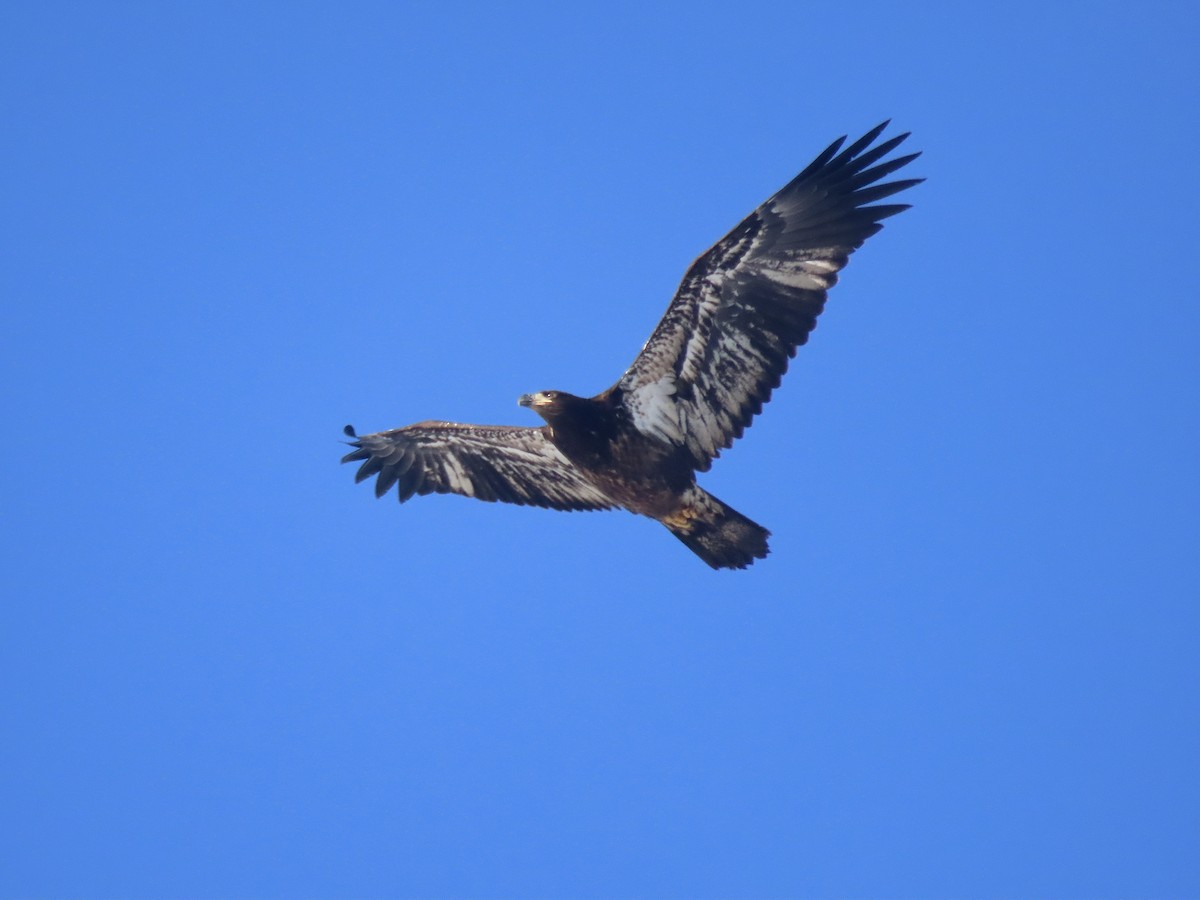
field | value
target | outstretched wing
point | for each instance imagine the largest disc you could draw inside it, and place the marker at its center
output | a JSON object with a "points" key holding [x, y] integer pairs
{"points": [[488, 462], [747, 304]]}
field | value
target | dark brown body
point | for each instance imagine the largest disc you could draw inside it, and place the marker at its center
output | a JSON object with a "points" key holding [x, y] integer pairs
{"points": [[596, 435], [646, 475]]}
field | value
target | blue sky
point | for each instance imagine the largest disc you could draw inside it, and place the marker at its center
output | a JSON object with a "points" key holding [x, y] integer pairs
{"points": [[968, 668]]}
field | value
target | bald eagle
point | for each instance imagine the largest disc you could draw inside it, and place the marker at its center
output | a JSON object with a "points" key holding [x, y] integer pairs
{"points": [[721, 348]]}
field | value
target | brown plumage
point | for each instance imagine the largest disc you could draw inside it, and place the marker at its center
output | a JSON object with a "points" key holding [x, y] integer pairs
{"points": [[720, 350]]}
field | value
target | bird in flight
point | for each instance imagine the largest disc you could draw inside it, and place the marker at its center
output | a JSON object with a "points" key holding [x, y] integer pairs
{"points": [[742, 310]]}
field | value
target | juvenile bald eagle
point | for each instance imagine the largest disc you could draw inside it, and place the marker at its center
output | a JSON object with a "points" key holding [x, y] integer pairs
{"points": [[722, 347]]}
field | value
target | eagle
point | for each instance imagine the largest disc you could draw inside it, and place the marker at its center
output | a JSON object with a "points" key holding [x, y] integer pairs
{"points": [[722, 347]]}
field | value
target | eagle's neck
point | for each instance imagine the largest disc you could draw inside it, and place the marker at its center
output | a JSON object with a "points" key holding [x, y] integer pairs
{"points": [[581, 427]]}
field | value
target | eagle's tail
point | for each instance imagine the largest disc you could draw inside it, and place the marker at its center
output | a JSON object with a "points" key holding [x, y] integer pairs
{"points": [[718, 534]]}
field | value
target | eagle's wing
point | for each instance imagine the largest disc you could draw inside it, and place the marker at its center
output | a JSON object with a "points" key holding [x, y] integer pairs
{"points": [[488, 462], [747, 304]]}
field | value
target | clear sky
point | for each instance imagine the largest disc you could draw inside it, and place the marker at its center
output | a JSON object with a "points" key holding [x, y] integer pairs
{"points": [[970, 666]]}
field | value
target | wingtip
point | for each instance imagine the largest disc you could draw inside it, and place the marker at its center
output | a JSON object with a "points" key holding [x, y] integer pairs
{"points": [[877, 130], [358, 452], [895, 140]]}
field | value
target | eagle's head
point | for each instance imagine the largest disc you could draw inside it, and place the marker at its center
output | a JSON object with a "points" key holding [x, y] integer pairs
{"points": [[548, 404]]}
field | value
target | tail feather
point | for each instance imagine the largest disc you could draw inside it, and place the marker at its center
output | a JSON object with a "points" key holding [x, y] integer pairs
{"points": [[718, 534]]}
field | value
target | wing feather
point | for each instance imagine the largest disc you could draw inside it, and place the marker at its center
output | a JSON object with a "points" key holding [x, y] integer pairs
{"points": [[488, 462], [746, 305]]}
